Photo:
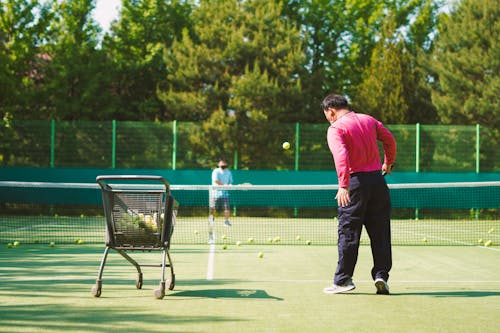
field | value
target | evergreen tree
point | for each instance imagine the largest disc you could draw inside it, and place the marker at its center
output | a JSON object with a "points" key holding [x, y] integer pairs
{"points": [[466, 64], [239, 75]]}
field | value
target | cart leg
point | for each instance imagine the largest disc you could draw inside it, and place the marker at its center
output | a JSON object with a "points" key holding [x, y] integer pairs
{"points": [[138, 282], [96, 289], [171, 284]]}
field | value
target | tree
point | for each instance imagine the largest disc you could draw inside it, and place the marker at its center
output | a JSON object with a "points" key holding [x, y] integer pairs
{"points": [[238, 74], [383, 92], [135, 47], [465, 64], [22, 62], [73, 84]]}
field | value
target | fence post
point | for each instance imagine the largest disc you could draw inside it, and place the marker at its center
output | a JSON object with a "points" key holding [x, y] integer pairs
{"points": [[174, 144], [478, 145], [52, 143], [113, 144], [417, 157], [297, 145]]}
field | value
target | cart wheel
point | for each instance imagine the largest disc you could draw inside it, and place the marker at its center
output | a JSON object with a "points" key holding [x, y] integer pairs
{"points": [[171, 283], [160, 292], [138, 282], [96, 289]]}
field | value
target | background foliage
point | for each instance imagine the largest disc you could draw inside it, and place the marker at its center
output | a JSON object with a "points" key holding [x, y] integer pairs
{"points": [[243, 68]]}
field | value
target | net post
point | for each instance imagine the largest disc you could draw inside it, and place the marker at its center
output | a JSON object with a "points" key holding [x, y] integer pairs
{"points": [[52, 143], [113, 144], [417, 157]]}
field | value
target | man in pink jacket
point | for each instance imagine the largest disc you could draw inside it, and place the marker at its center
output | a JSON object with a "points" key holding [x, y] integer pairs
{"points": [[363, 196]]}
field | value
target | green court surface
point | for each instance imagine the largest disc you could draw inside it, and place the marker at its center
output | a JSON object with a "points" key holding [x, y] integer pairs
{"points": [[434, 289]]}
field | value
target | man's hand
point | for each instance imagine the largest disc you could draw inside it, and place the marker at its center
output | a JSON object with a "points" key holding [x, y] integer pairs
{"points": [[387, 169], [342, 197]]}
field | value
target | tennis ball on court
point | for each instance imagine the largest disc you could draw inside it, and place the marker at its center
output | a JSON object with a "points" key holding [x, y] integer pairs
{"points": [[260, 255], [238, 243], [224, 247], [286, 145], [52, 244], [80, 242], [250, 240], [308, 242], [9, 245], [298, 238], [488, 243], [16, 244]]}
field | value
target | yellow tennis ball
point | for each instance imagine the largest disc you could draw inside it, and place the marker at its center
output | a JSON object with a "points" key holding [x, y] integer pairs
{"points": [[250, 240], [238, 243], [9, 245], [260, 255], [52, 244], [298, 238], [286, 145], [488, 243], [16, 244], [224, 247], [308, 242], [80, 242]]}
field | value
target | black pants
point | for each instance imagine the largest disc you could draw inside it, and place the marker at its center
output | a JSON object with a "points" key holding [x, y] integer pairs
{"points": [[370, 206]]}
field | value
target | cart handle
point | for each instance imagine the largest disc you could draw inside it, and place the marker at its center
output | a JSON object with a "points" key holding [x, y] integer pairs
{"points": [[101, 180]]}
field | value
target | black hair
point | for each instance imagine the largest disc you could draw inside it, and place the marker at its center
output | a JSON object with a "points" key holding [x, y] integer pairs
{"points": [[335, 101]]}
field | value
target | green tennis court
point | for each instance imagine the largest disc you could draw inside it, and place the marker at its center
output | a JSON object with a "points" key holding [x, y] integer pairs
{"points": [[434, 288]]}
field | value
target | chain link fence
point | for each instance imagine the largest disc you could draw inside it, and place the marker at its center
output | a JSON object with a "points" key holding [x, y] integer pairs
{"points": [[167, 145]]}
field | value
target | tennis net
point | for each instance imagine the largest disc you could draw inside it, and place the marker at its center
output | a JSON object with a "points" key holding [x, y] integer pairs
{"points": [[422, 214]]}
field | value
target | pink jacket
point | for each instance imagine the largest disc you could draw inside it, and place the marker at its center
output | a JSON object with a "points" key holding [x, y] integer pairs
{"points": [[353, 142]]}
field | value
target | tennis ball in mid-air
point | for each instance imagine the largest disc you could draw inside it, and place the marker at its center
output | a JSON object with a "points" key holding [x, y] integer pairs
{"points": [[16, 244], [250, 240], [52, 244], [9, 245], [480, 241], [286, 145], [298, 238], [488, 243], [260, 255], [238, 243], [224, 247]]}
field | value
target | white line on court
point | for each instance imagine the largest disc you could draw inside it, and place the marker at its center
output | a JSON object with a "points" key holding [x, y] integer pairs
{"points": [[211, 262]]}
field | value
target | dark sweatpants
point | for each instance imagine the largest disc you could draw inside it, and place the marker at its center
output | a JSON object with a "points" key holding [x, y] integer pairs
{"points": [[370, 206]]}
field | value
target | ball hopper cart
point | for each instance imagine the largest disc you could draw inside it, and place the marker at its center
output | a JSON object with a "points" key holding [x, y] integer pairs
{"points": [[140, 215]]}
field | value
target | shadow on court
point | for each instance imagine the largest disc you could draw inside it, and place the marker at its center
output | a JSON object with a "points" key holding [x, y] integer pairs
{"points": [[462, 293], [226, 293]]}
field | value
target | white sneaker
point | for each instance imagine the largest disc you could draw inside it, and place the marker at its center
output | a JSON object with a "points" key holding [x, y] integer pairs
{"points": [[337, 289], [382, 287]]}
